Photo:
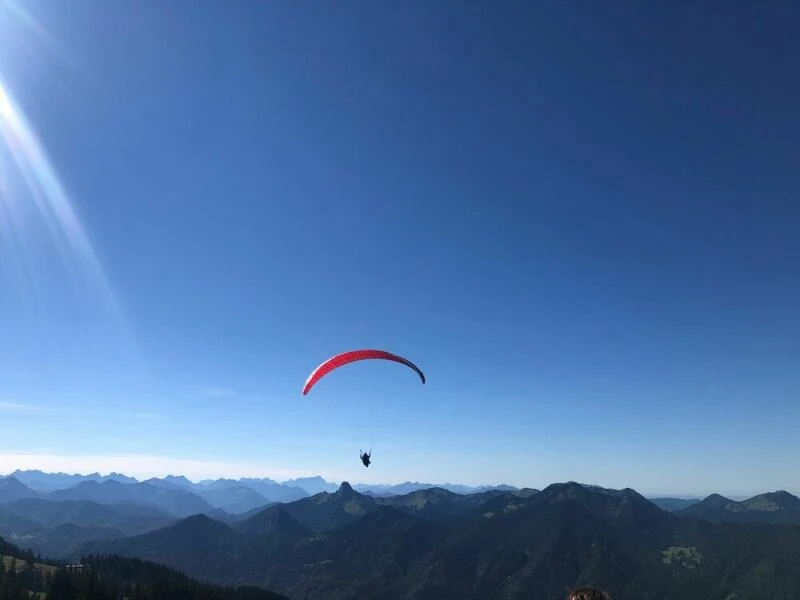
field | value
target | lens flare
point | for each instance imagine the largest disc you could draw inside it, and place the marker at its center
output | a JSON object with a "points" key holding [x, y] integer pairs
{"points": [[5, 105], [52, 204]]}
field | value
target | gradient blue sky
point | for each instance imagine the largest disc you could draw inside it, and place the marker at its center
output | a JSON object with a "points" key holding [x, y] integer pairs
{"points": [[580, 219]]}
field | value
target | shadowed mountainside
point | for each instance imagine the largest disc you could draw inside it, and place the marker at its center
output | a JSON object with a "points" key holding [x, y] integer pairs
{"points": [[346, 545]]}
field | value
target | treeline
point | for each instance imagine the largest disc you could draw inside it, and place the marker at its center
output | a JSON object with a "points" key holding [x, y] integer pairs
{"points": [[24, 576], [20, 579], [111, 577], [9, 549]]}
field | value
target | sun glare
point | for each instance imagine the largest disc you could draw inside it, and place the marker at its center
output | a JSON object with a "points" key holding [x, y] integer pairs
{"points": [[5, 105], [50, 202]]}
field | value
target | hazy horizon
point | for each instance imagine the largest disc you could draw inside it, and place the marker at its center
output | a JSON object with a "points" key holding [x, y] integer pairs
{"points": [[209, 476]]}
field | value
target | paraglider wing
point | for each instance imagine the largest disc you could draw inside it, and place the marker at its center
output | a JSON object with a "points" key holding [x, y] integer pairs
{"points": [[352, 356]]}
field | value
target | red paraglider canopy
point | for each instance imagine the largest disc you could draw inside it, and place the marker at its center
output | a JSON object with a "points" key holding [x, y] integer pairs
{"points": [[352, 356]]}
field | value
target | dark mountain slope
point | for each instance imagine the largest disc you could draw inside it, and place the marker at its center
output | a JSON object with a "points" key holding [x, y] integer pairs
{"points": [[24, 576], [67, 539], [507, 548], [437, 503], [376, 557], [112, 577], [326, 511], [673, 504], [275, 521], [774, 508], [197, 545]]}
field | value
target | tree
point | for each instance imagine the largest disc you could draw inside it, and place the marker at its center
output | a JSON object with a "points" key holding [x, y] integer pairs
{"points": [[61, 587]]}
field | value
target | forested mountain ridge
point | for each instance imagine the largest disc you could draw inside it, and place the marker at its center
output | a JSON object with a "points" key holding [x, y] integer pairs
{"points": [[24, 576], [346, 545]]}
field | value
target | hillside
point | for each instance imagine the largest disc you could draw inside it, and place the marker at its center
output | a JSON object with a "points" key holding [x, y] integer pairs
{"points": [[504, 547], [57, 528], [128, 518], [12, 489], [24, 576], [408, 487], [235, 499], [178, 502], [325, 511], [436, 503], [673, 504], [773, 507]]}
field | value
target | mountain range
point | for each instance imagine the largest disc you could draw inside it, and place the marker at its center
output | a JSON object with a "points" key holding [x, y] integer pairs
{"points": [[240, 499], [774, 507], [54, 513], [498, 544]]}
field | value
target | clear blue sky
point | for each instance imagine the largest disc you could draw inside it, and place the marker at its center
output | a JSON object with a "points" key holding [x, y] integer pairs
{"points": [[581, 221]]}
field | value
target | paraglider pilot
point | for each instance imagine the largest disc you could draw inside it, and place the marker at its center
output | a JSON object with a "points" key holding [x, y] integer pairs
{"points": [[365, 458]]}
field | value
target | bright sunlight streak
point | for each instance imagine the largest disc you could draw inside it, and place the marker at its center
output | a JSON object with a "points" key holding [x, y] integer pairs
{"points": [[50, 200], [5, 105], [32, 197]]}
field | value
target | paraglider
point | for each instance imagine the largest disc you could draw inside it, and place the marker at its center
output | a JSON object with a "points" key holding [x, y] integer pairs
{"points": [[351, 356]]}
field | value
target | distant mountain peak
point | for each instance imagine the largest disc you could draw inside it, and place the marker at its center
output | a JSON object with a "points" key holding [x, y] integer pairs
{"points": [[624, 505], [12, 489], [778, 507], [435, 491], [18, 472], [773, 501], [198, 518], [782, 495], [177, 478], [108, 483], [716, 501], [570, 488], [273, 520], [264, 479], [345, 489]]}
